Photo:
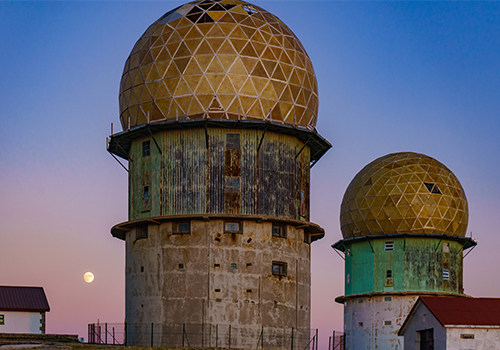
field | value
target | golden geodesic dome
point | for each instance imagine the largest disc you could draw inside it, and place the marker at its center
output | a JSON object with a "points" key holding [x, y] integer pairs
{"points": [[220, 59], [404, 193]]}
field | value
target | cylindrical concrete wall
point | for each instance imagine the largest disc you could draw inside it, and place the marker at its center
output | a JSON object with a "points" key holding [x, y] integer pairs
{"points": [[257, 277]]}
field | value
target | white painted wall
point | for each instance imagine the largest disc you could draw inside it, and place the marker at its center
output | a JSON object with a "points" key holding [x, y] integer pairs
{"points": [[373, 312], [21, 322], [484, 338]]}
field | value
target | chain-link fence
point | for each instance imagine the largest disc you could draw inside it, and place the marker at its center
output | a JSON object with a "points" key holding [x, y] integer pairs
{"points": [[208, 335]]}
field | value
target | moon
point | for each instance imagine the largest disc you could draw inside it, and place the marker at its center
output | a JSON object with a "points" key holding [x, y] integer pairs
{"points": [[88, 277]]}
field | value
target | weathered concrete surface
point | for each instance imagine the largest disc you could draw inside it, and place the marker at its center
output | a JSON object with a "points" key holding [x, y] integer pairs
{"points": [[212, 277]]}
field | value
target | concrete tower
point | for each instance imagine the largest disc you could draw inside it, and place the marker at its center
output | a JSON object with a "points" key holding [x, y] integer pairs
{"points": [[403, 218], [218, 104]]}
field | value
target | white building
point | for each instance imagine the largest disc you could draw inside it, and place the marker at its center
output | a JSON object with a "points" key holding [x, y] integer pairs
{"points": [[22, 309], [452, 323]]}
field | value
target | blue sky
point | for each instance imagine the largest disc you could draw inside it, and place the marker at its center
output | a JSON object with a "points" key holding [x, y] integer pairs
{"points": [[393, 76]]}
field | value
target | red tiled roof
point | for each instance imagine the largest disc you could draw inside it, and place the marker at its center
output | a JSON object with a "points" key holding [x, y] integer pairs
{"points": [[23, 299], [464, 311]]}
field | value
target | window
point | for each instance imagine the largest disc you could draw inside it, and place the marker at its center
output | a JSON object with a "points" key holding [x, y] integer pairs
{"points": [[389, 246], [360, 324], [249, 291], [142, 268], [347, 278], [427, 339], [181, 266], [279, 268], [146, 148], [446, 274], [217, 290], [388, 274], [432, 188], [2, 320], [279, 230], [387, 323], [387, 298], [446, 247], [233, 141], [145, 191], [466, 336], [216, 265], [232, 184], [233, 227], [141, 232], [181, 228], [360, 300], [233, 266]]}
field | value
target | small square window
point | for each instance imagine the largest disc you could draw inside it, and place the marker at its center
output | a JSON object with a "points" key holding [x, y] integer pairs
{"points": [[181, 266], [279, 230], [387, 323], [233, 266], [2, 320], [446, 274], [181, 227], [216, 265], [360, 324], [279, 268], [146, 148], [389, 246], [141, 232], [233, 227], [249, 291], [387, 298], [232, 141], [360, 300], [388, 274], [232, 184]]}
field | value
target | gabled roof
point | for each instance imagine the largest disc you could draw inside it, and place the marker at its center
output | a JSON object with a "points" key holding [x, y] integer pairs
{"points": [[460, 311], [23, 299]]}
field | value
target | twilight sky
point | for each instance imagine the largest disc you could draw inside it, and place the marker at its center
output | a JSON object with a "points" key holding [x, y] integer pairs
{"points": [[393, 76]]}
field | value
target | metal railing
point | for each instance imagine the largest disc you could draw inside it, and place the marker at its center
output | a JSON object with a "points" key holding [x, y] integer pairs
{"points": [[222, 336]]}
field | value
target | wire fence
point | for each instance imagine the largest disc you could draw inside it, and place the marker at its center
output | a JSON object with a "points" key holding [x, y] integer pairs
{"points": [[209, 336]]}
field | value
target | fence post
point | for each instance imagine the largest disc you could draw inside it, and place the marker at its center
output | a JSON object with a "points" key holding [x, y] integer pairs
{"points": [[262, 338], [106, 332], [183, 332], [125, 335], [316, 338], [152, 326], [292, 341], [113, 335], [229, 337], [216, 336], [333, 341], [330, 341]]}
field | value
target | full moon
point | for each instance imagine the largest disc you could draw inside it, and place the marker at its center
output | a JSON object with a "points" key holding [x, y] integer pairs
{"points": [[88, 277]]}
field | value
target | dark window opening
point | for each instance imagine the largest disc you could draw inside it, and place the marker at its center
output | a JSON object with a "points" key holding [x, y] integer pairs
{"points": [[142, 268], [279, 230], [2, 319], [387, 298], [181, 266], [279, 268], [360, 324], [217, 290], [216, 265], [233, 141], [182, 228], [433, 188], [389, 274], [146, 148], [145, 191], [233, 227], [249, 291], [141, 232], [387, 323], [233, 266], [249, 264]]}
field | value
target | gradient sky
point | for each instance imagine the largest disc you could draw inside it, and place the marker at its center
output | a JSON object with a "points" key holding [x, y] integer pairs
{"points": [[393, 76]]}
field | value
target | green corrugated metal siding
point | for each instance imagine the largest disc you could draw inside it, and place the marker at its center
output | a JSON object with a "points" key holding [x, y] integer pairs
{"points": [[417, 265], [192, 179]]}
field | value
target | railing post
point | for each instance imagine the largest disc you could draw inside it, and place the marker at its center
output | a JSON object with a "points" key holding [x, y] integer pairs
{"points": [[113, 335], [183, 332], [229, 337], [216, 336], [106, 331], [291, 347], [152, 325], [262, 338], [125, 334], [316, 338]]}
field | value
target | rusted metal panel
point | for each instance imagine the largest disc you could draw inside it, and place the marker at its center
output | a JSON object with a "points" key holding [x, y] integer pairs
{"points": [[216, 142], [232, 176]]}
